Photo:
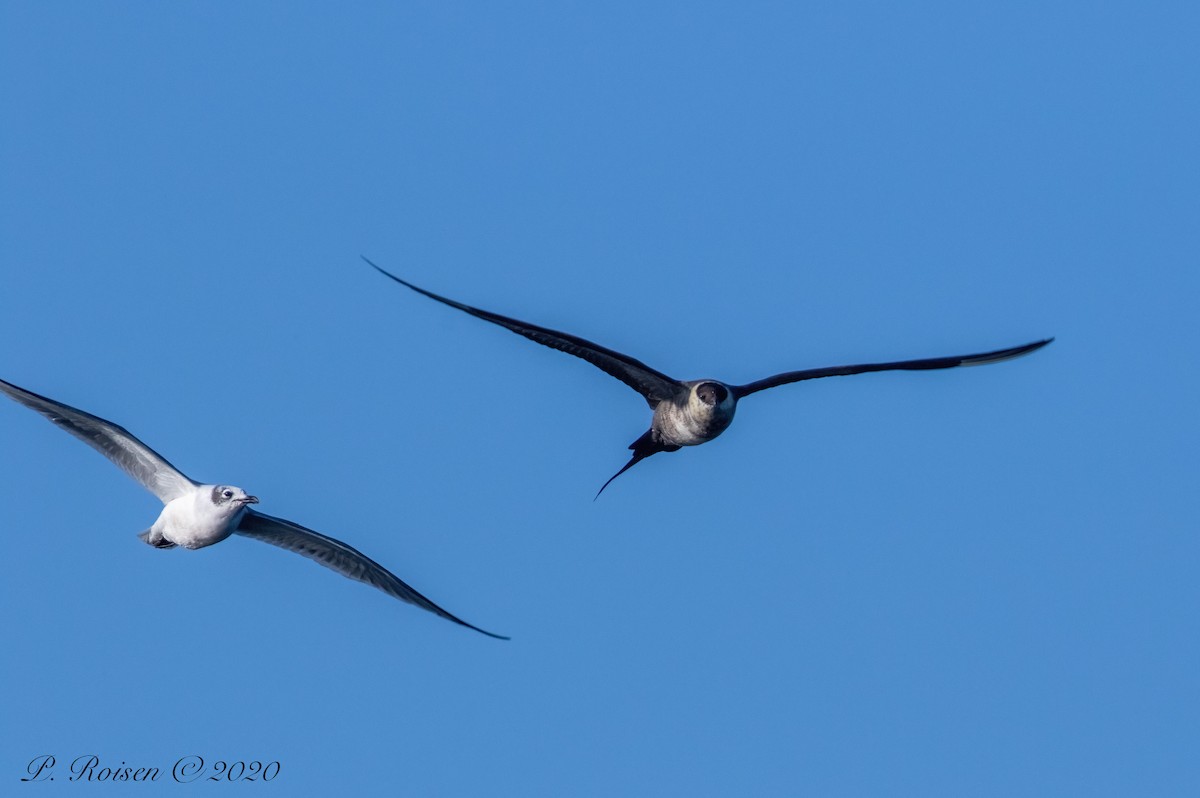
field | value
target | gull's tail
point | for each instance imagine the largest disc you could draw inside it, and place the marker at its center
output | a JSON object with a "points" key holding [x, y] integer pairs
{"points": [[155, 539]]}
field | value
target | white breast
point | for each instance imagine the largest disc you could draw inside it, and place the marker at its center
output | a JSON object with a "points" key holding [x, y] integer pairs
{"points": [[193, 521], [693, 423]]}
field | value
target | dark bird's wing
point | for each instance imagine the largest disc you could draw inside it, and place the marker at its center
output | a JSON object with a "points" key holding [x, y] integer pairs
{"points": [[346, 560], [114, 442], [904, 365], [652, 384]]}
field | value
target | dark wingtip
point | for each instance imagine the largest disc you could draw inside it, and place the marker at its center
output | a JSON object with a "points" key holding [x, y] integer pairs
{"points": [[442, 613], [1001, 355], [386, 273], [1027, 349], [1035, 346], [378, 268], [410, 286], [461, 622], [486, 632]]}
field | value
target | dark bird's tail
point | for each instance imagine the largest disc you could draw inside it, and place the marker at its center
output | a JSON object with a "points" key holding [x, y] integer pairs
{"points": [[642, 448]]}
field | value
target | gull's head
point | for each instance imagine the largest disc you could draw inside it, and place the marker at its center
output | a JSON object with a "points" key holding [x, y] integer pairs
{"points": [[232, 497], [712, 394]]}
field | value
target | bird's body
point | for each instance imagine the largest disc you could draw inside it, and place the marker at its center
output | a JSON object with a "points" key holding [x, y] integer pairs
{"points": [[694, 416], [199, 518], [692, 412], [197, 515]]}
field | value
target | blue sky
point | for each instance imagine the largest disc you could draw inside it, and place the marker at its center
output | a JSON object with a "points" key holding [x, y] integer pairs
{"points": [[971, 582]]}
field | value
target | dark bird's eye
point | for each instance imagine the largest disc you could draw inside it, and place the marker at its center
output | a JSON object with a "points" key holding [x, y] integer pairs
{"points": [[228, 494], [711, 393]]}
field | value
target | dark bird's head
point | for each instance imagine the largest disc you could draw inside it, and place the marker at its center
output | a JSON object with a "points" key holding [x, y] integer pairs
{"points": [[228, 495], [712, 393]]}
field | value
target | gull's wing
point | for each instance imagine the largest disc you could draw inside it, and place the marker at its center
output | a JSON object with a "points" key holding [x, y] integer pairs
{"points": [[906, 365], [652, 384], [346, 560], [114, 442]]}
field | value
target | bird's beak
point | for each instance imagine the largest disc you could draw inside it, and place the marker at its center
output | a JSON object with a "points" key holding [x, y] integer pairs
{"points": [[250, 500]]}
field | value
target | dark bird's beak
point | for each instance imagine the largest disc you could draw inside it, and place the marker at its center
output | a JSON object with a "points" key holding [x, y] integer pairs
{"points": [[250, 500]]}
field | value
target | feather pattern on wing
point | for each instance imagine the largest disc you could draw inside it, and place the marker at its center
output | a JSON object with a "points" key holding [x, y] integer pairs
{"points": [[650, 383], [900, 365], [346, 560], [115, 442]]}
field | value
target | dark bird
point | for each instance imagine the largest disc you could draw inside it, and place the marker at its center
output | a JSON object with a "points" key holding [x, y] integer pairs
{"points": [[692, 412], [195, 515]]}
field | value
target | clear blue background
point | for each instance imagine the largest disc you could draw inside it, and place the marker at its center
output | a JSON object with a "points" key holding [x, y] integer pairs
{"points": [[974, 582]]}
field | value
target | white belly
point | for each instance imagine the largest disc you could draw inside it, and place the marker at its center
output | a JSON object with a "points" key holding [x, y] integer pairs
{"points": [[187, 522], [689, 425]]}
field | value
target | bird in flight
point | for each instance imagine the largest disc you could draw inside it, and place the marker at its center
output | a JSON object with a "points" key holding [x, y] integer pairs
{"points": [[692, 412], [195, 515]]}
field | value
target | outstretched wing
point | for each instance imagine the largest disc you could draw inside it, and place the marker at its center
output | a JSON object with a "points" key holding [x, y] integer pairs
{"points": [[905, 365], [346, 560], [114, 442], [653, 385]]}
